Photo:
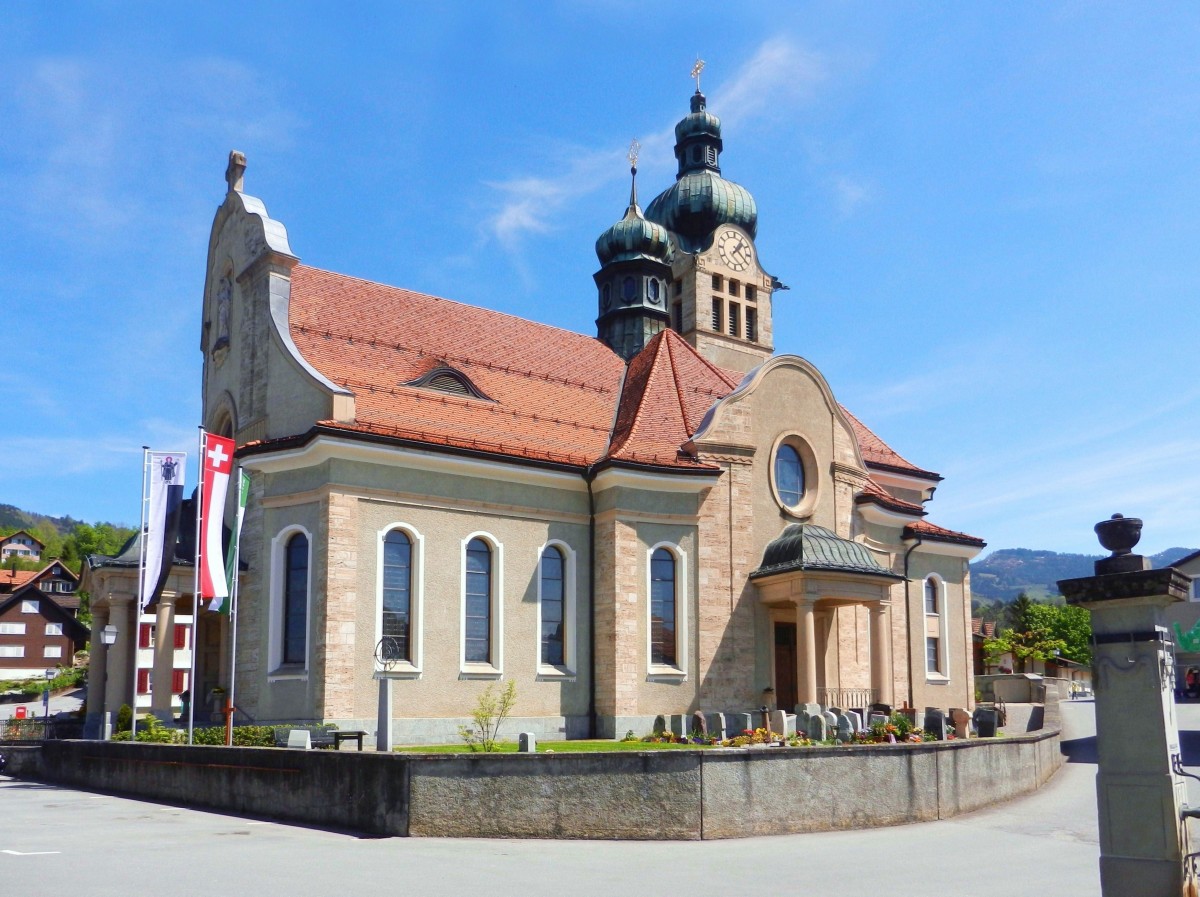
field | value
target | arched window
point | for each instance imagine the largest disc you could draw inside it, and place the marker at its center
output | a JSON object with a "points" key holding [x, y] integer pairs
{"points": [[397, 596], [931, 596], [662, 608], [477, 646], [295, 600], [553, 606], [789, 475]]}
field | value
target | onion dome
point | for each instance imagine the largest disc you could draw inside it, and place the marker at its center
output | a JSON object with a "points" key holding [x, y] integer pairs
{"points": [[633, 237], [701, 200]]}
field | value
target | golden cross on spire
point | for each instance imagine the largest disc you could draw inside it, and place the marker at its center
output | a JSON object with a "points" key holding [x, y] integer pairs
{"points": [[634, 149], [696, 70]]}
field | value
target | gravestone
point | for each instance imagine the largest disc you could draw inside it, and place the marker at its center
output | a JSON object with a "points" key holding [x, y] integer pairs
{"points": [[855, 720], [830, 719], [802, 718], [876, 718], [679, 724], [699, 723], [962, 722], [816, 728], [526, 743], [660, 725], [300, 738], [810, 709], [716, 725], [878, 707], [737, 723], [985, 722], [914, 716], [935, 723], [783, 723], [845, 729]]}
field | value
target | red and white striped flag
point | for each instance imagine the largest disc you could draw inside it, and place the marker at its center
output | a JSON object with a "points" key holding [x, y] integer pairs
{"points": [[217, 459]]}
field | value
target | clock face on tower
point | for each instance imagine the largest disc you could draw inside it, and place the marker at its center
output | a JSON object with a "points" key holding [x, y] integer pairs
{"points": [[734, 250]]}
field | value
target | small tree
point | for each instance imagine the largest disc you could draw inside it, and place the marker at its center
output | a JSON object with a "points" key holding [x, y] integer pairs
{"points": [[490, 711]]}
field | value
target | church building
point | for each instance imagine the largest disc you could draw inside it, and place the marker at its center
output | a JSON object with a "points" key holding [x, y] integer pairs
{"points": [[663, 517]]}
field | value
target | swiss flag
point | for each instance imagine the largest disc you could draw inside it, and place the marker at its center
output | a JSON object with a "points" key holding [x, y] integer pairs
{"points": [[217, 463]]}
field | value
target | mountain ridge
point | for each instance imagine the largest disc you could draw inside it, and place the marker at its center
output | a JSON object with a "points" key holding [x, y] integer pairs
{"points": [[1007, 572]]}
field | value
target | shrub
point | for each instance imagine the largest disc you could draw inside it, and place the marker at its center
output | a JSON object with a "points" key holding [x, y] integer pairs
{"points": [[124, 718], [490, 711]]}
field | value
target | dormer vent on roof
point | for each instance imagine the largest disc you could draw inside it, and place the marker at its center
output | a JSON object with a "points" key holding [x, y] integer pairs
{"points": [[446, 379]]}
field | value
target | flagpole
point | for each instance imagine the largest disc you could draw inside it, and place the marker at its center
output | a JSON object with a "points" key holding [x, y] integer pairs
{"points": [[233, 610], [135, 637], [196, 585]]}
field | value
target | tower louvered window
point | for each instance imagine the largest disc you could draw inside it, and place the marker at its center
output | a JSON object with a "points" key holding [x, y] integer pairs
{"points": [[716, 315], [751, 323]]}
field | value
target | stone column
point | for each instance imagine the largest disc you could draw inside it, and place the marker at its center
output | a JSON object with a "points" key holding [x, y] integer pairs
{"points": [[881, 657], [93, 726], [1140, 797], [164, 658], [123, 614], [806, 652]]}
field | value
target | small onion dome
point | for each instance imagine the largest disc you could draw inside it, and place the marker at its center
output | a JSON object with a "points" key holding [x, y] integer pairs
{"points": [[698, 122], [633, 237], [700, 202]]}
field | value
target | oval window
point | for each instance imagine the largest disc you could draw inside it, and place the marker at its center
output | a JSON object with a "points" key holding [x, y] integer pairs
{"points": [[629, 288], [789, 476], [654, 291]]}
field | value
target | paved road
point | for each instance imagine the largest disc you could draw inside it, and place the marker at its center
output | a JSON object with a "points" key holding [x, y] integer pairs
{"points": [[55, 840]]}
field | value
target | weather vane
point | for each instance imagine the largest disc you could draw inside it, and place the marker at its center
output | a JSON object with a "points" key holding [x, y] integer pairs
{"points": [[696, 70], [632, 155]]}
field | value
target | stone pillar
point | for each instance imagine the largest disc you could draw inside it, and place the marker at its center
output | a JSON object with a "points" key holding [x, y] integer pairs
{"points": [[806, 652], [164, 659], [1143, 840], [881, 657], [123, 614], [93, 726]]}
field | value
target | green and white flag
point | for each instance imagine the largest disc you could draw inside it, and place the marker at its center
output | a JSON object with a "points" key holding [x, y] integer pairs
{"points": [[221, 605]]}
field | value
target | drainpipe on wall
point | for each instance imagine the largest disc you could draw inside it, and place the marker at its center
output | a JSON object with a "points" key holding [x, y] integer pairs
{"points": [[588, 476], [908, 619]]}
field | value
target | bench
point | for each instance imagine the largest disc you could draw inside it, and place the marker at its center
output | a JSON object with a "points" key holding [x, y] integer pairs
{"points": [[354, 735], [319, 738]]}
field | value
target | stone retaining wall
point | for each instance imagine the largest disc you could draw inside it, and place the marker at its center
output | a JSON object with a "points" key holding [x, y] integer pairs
{"points": [[660, 795]]}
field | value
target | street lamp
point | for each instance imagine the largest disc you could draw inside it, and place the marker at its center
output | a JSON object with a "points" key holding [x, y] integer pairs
{"points": [[50, 674], [108, 635]]}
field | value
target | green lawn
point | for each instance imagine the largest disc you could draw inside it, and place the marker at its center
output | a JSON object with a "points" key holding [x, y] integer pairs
{"points": [[558, 747]]}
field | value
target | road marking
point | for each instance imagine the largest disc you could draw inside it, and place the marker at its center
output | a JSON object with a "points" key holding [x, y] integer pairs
{"points": [[29, 853]]}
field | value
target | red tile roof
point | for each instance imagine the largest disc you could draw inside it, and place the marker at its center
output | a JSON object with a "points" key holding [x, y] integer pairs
{"points": [[551, 395], [668, 389], [11, 580], [876, 494], [931, 532], [877, 453]]}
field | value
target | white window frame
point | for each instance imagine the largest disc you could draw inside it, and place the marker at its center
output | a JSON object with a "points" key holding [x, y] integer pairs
{"points": [[12, 628], [475, 669], [275, 628], [570, 658], [941, 674], [30, 606], [659, 671], [54, 629], [52, 651], [12, 651], [405, 668]]}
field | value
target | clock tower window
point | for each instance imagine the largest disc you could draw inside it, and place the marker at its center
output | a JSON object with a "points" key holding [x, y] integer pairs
{"points": [[751, 294], [717, 283], [735, 324], [716, 314], [734, 287], [751, 323]]}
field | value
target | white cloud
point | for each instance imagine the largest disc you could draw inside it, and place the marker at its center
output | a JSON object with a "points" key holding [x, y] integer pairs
{"points": [[779, 75]]}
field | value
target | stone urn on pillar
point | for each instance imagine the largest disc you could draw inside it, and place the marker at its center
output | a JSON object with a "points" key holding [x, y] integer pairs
{"points": [[1140, 793]]}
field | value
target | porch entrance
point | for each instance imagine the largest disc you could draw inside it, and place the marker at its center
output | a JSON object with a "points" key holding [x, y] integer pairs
{"points": [[786, 695]]}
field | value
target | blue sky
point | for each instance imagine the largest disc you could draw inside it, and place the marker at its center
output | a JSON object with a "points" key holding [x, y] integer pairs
{"points": [[988, 214]]}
